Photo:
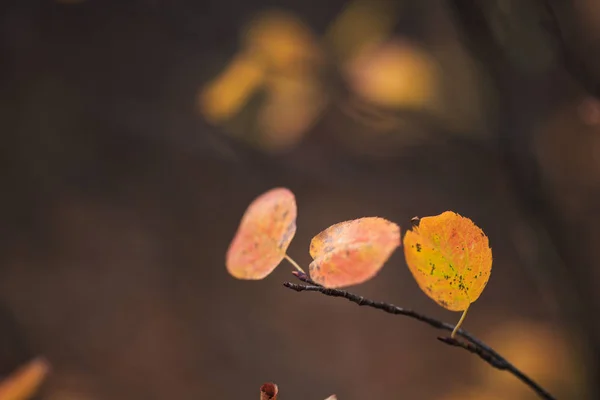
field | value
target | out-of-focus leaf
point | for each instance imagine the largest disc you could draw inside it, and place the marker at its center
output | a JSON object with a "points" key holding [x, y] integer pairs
{"points": [[265, 232], [269, 391], [352, 252], [395, 74], [450, 258], [283, 43], [361, 24], [24, 382], [537, 349], [271, 85], [292, 106], [226, 94]]}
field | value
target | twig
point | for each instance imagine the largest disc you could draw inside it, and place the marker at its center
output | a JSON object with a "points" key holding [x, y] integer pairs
{"points": [[473, 344]]}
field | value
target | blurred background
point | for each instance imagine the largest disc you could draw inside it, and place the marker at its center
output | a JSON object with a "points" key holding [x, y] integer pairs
{"points": [[135, 133]]}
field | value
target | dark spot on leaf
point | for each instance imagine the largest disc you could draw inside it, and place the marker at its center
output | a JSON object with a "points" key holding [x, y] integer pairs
{"points": [[418, 247], [432, 269]]}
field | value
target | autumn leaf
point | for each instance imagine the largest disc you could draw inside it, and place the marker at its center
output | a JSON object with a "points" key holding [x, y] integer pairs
{"points": [[269, 391], [352, 252], [24, 382], [450, 258], [265, 232]]}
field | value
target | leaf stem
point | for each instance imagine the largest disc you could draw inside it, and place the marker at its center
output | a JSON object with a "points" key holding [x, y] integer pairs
{"points": [[460, 321], [294, 263]]}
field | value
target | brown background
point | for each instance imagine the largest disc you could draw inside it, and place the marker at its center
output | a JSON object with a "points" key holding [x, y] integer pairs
{"points": [[118, 203]]}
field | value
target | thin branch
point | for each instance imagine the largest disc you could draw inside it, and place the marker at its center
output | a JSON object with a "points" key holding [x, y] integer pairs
{"points": [[473, 345]]}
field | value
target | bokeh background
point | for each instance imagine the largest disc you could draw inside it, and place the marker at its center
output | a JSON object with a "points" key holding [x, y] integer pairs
{"points": [[135, 133]]}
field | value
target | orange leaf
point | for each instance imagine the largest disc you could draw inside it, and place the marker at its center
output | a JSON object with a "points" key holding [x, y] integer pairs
{"points": [[352, 252], [24, 382], [450, 258], [269, 391], [265, 232]]}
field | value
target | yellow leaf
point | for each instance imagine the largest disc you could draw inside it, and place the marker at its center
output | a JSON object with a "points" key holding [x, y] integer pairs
{"points": [[450, 258], [24, 382], [265, 232], [352, 252]]}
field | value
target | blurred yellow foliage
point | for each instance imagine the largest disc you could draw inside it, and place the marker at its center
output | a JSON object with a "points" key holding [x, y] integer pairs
{"points": [[281, 64], [24, 382], [361, 24], [534, 348], [290, 108], [282, 42], [224, 96], [279, 55], [394, 74], [540, 351]]}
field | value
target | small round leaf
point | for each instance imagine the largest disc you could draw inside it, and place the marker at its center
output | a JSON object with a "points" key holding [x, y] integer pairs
{"points": [[450, 258], [265, 232], [352, 252]]}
